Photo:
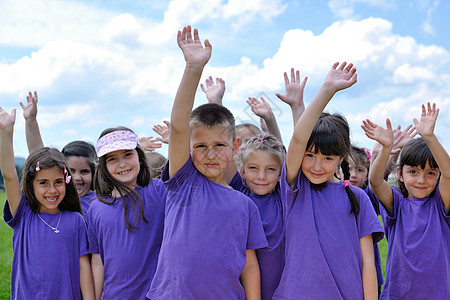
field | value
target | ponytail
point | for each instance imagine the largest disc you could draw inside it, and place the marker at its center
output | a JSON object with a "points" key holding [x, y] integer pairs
{"points": [[354, 201]]}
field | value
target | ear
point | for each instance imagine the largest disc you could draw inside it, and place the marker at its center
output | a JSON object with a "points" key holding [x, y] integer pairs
{"points": [[236, 144], [399, 174]]}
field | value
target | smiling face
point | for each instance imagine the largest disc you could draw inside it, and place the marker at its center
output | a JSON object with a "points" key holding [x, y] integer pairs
{"points": [[49, 189], [212, 151], [261, 172], [358, 174], [419, 183], [319, 168], [124, 166], [81, 174]]}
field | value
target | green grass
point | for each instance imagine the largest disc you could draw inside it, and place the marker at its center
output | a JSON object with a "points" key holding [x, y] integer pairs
{"points": [[5, 254]]}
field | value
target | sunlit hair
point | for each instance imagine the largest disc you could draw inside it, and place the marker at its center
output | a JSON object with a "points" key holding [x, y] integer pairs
{"points": [[213, 115], [331, 136], [48, 158], [415, 153], [267, 143], [82, 149], [156, 163], [359, 157], [104, 185], [250, 127]]}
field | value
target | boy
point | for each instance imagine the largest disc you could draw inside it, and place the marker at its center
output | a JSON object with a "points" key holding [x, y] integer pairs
{"points": [[211, 231]]}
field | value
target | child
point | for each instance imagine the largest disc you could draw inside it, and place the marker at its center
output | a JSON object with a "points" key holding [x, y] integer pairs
{"points": [[156, 163], [49, 233], [210, 230], [417, 214], [80, 155], [82, 161], [359, 164], [329, 224], [263, 158], [126, 221]]}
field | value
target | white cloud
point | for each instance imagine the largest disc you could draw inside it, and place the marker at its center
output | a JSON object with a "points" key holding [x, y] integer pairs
{"points": [[407, 74], [345, 9]]}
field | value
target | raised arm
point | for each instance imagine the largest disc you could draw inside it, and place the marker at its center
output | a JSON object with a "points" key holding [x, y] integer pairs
{"points": [[339, 77], [378, 185], [425, 128], [263, 110], [8, 167], [32, 132], [196, 58], [214, 92], [294, 94]]}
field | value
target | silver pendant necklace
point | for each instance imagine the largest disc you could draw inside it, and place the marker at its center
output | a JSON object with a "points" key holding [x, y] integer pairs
{"points": [[55, 229]]}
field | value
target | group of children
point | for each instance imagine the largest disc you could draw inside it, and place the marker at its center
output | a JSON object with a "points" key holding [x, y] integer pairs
{"points": [[231, 217]]}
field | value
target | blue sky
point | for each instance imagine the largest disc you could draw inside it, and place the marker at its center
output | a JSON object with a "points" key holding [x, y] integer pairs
{"points": [[98, 64]]}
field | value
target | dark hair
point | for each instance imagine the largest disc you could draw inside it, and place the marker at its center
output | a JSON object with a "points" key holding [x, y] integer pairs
{"points": [[104, 184], [213, 115], [82, 149], [156, 163], [331, 136], [359, 157], [48, 158], [415, 153]]}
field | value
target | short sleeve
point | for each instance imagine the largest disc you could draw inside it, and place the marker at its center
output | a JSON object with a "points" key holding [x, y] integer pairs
{"points": [[237, 184], [7, 215], [368, 221], [82, 236], [91, 232], [256, 237]]}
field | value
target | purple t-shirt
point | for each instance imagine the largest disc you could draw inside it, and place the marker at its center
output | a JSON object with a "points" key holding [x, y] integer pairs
{"points": [[271, 258], [208, 228], [129, 258], [86, 201], [376, 250], [323, 254], [418, 261], [46, 264]]}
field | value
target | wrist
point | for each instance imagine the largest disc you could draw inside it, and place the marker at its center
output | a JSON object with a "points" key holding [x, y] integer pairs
{"points": [[194, 67]]}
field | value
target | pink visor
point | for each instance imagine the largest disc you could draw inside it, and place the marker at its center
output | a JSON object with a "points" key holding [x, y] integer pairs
{"points": [[116, 140]]}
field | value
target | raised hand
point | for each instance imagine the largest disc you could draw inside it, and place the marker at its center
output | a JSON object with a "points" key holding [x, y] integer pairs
{"points": [[163, 131], [341, 76], [194, 53], [149, 144], [294, 89], [402, 137], [375, 132], [214, 92], [30, 110], [7, 120], [260, 108], [427, 120]]}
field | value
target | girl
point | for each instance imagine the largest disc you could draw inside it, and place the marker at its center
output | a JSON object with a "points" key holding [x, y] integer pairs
{"points": [[82, 160], [417, 214], [359, 164], [80, 155], [49, 233], [126, 221], [263, 157], [329, 224]]}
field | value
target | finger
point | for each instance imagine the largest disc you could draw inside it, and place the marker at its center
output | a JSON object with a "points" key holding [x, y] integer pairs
{"points": [[13, 114], [281, 97], [203, 88], [342, 66], [349, 67], [23, 106], [292, 75], [286, 79], [167, 123], [35, 97], [304, 82], [208, 46], [388, 124], [189, 34], [297, 76], [334, 66]]}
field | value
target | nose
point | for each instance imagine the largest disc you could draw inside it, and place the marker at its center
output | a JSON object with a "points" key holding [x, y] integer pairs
{"points": [[317, 164], [261, 174], [211, 153], [421, 178], [52, 188]]}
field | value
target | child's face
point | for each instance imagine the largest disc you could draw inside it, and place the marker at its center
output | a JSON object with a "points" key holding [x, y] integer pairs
{"points": [[49, 189], [358, 174], [261, 172], [244, 134], [81, 174], [319, 168], [124, 166], [418, 182], [212, 151]]}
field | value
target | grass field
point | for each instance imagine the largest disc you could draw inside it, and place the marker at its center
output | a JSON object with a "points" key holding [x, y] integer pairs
{"points": [[6, 254]]}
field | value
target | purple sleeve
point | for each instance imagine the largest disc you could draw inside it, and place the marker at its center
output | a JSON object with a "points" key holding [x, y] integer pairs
{"points": [[256, 237], [82, 236], [441, 206], [7, 215], [238, 184], [91, 233], [367, 219], [180, 176]]}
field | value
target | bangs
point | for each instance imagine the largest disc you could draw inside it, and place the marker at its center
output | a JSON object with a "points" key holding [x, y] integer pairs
{"points": [[328, 140], [416, 153]]}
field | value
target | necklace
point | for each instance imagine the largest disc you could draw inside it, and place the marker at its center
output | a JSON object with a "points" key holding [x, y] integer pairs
{"points": [[55, 229]]}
